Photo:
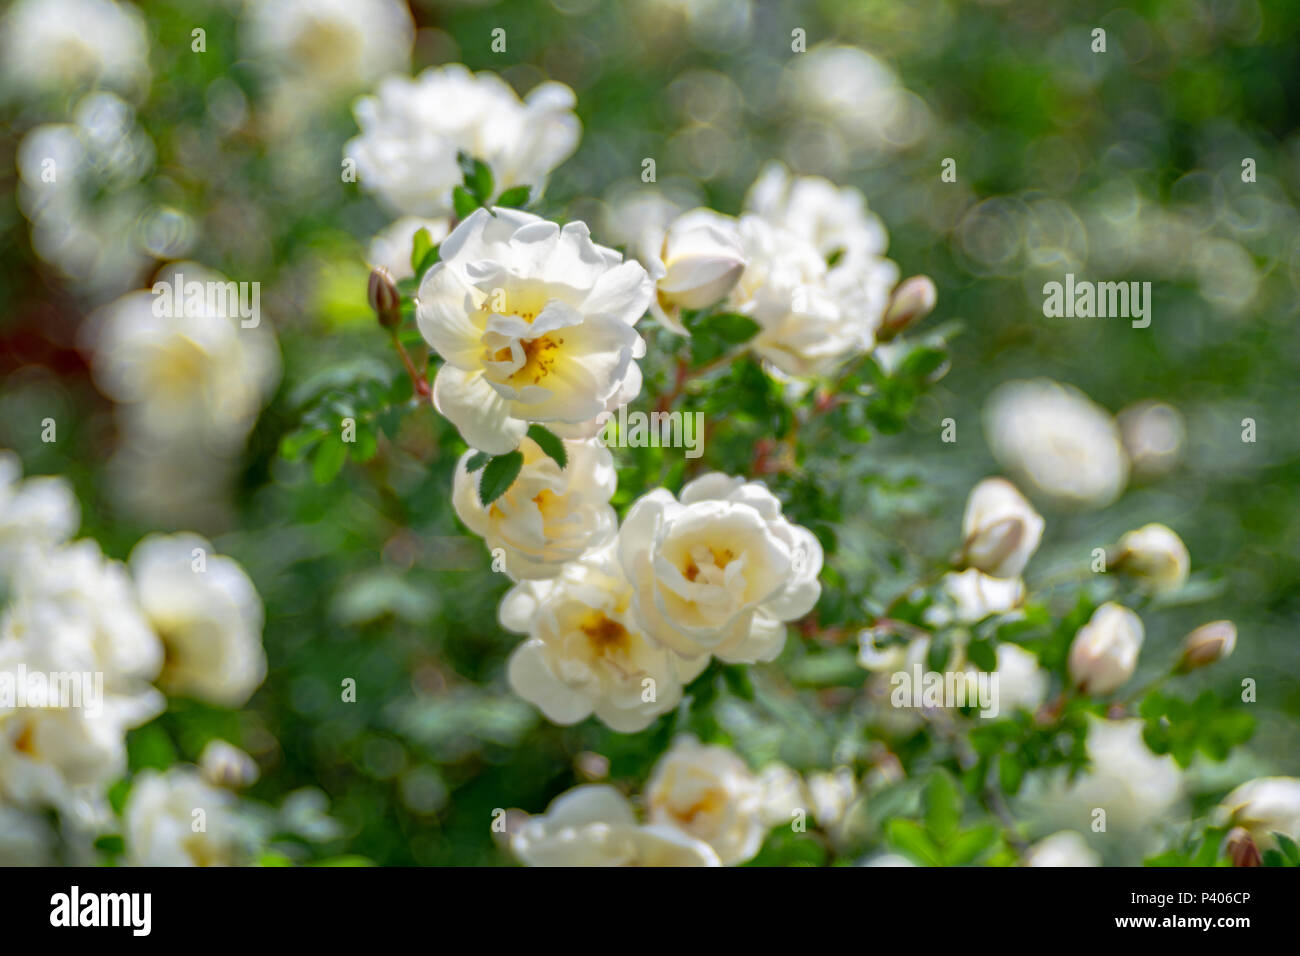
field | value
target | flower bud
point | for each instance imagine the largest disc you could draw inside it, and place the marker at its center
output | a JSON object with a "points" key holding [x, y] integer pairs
{"points": [[1263, 807], [701, 259], [913, 300], [384, 298], [1105, 651], [1001, 529], [1241, 848], [225, 765], [1156, 556], [1207, 644]]}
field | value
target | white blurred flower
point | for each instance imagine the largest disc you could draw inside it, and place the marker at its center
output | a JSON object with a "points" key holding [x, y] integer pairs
{"points": [[708, 792], [783, 793], [1156, 556], [1001, 529], [585, 653], [26, 838], [721, 570], [391, 248], [1153, 435], [223, 764], [58, 45], [1062, 442], [695, 263], [1264, 806], [36, 513], [208, 615], [535, 324], [1021, 683], [330, 44], [594, 825], [1104, 653], [1208, 644], [973, 596], [548, 516], [176, 819], [412, 130], [185, 368], [1064, 848], [887, 859], [831, 793], [1128, 781]]}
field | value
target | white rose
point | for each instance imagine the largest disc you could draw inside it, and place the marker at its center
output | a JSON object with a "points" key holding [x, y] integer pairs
{"points": [[696, 264], [549, 515], [1155, 555], [720, 571], [783, 793], [335, 44], [708, 792], [413, 129], [36, 513], [1021, 683], [162, 825], [209, 617], [594, 825], [1105, 651], [1065, 848], [586, 654], [1001, 529], [391, 248], [1153, 435], [831, 793], [59, 44], [223, 764], [974, 596], [186, 371], [1062, 442], [1133, 785], [1264, 806], [535, 323]]}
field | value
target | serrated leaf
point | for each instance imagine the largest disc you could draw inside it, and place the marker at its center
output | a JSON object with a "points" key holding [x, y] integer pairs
{"points": [[550, 444], [463, 202], [515, 197], [909, 837], [498, 475], [477, 461]]}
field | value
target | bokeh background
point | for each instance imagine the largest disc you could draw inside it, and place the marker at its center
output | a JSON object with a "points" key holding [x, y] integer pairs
{"points": [[1123, 165]]}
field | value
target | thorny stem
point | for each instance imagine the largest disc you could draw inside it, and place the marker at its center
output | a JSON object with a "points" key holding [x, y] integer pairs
{"points": [[418, 381]]}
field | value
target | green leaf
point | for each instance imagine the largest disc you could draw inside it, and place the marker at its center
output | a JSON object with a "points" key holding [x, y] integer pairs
{"points": [[498, 475], [969, 846], [463, 201], [550, 443], [1289, 848], [477, 176], [420, 246], [431, 256], [732, 327], [909, 837], [328, 460], [983, 655], [942, 806], [477, 461], [516, 197]]}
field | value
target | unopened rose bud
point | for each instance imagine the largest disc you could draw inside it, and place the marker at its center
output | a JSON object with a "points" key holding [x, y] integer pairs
{"points": [[1105, 651], [384, 298], [700, 260], [1155, 555], [912, 301], [1001, 529], [1264, 807], [225, 765], [1207, 644], [1241, 848]]}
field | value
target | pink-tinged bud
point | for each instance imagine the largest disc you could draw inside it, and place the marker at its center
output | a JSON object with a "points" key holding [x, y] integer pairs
{"points": [[1001, 529], [913, 300], [1207, 644], [1241, 848], [1105, 651], [384, 298]]}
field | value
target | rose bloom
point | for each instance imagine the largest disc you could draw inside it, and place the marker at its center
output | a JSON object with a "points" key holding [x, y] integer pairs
{"points": [[55, 45], [413, 129], [391, 247], [160, 821], [209, 617], [1104, 653], [695, 262], [720, 570], [1264, 806], [535, 323], [1001, 529], [1156, 556], [1067, 446], [594, 825], [585, 653], [708, 792], [34, 513], [549, 515]]}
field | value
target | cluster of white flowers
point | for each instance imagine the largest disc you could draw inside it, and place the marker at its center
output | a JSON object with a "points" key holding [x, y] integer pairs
{"points": [[52, 46], [98, 635], [703, 807]]}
